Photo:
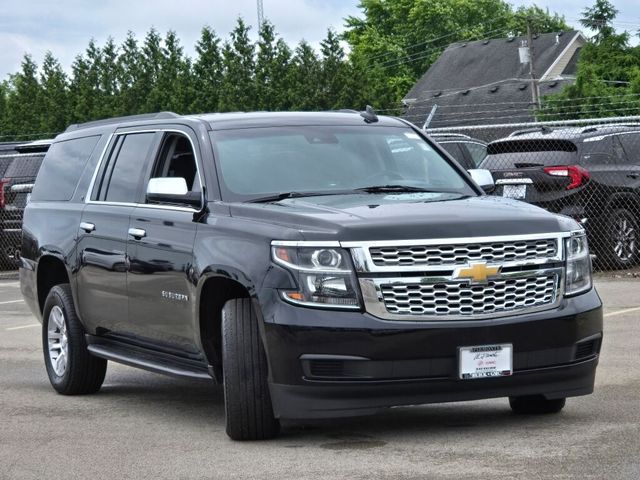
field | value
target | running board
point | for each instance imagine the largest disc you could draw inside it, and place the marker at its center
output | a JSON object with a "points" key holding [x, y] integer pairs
{"points": [[147, 360]]}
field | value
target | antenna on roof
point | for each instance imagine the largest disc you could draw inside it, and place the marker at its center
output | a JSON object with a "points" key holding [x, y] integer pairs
{"points": [[369, 114]]}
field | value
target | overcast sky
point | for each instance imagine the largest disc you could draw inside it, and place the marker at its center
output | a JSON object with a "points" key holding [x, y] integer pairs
{"points": [[66, 26]]}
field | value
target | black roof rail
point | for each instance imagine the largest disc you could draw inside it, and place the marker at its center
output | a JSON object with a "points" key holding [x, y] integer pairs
{"points": [[128, 118], [38, 146]]}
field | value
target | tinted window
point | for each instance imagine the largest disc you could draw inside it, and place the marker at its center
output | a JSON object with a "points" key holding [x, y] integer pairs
{"points": [[124, 178], [177, 159], [631, 144], [62, 167], [458, 152], [477, 151], [260, 161], [510, 154]]}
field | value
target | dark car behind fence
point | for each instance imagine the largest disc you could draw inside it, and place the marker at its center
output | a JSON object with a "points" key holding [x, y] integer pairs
{"points": [[587, 169], [19, 166]]}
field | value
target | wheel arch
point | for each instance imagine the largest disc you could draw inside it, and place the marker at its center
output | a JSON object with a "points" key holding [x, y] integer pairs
{"points": [[214, 290], [51, 271]]}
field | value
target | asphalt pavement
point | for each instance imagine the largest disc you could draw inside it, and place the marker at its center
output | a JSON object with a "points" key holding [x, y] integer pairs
{"points": [[142, 425]]}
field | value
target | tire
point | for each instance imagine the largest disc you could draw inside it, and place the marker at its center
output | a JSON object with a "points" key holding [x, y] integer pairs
{"points": [[623, 239], [536, 405], [247, 402], [78, 372]]}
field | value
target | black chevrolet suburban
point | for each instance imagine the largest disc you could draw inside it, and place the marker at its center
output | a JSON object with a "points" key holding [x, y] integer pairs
{"points": [[314, 264]]}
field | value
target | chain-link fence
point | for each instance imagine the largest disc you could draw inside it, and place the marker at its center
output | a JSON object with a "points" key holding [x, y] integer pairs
{"points": [[586, 169], [19, 165]]}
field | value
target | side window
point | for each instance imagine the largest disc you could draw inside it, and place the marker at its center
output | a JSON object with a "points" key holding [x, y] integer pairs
{"points": [[477, 151], [631, 144], [177, 159], [62, 167], [123, 178]]}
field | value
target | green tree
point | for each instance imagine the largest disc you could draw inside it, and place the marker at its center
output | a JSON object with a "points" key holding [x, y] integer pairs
{"points": [[22, 104], [271, 70], [108, 75], [305, 78], [54, 103], [130, 77], [237, 89], [172, 89], [207, 72], [334, 73], [150, 64], [598, 18], [86, 95]]}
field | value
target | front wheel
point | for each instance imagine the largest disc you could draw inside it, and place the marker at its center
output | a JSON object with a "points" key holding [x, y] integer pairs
{"points": [[536, 404], [247, 402], [71, 368]]}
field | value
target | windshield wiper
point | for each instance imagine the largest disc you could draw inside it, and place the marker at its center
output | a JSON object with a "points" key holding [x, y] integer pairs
{"points": [[283, 196], [392, 188]]}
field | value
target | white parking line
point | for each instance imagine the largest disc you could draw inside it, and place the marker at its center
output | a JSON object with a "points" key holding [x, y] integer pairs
{"points": [[20, 327], [9, 284], [622, 312], [11, 301]]}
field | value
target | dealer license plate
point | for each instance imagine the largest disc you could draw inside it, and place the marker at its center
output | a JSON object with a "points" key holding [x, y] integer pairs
{"points": [[517, 192], [485, 361]]}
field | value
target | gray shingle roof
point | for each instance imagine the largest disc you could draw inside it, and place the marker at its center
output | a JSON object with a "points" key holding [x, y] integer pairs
{"points": [[484, 82]]}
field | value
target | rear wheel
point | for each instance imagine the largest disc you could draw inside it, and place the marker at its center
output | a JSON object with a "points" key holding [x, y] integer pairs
{"points": [[247, 402], [536, 404], [71, 368], [622, 239]]}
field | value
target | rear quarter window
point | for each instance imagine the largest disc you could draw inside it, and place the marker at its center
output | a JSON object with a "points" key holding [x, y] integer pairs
{"points": [[62, 167]]}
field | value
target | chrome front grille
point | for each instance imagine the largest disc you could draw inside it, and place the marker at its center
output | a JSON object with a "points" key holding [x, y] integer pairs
{"points": [[462, 299], [461, 254]]}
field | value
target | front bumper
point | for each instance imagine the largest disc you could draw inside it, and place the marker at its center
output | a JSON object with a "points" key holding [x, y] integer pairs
{"points": [[330, 364]]}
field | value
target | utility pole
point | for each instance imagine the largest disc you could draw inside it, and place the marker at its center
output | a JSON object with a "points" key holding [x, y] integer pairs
{"points": [[260, 14], [535, 93]]}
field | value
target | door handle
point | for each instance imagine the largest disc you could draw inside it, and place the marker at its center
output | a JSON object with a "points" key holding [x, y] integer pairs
{"points": [[137, 233], [633, 175], [87, 226]]}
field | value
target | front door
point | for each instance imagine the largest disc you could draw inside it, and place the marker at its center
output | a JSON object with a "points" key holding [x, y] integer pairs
{"points": [[162, 301]]}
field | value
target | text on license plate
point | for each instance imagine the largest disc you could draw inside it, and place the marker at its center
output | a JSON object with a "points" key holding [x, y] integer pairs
{"points": [[485, 361], [514, 191]]}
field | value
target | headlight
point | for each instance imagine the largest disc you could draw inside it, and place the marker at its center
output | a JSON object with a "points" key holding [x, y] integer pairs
{"points": [[325, 276], [578, 265]]}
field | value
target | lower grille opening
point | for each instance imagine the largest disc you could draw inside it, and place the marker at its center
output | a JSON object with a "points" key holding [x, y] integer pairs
{"points": [[586, 349], [326, 368]]}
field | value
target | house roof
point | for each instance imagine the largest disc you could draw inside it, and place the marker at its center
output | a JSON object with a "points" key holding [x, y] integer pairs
{"points": [[470, 79]]}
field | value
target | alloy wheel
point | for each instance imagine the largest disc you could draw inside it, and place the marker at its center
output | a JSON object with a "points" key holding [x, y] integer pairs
{"points": [[57, 341]]}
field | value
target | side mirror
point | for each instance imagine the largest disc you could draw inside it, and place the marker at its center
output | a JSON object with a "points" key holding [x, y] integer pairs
{"points": [[483, 179], [172, 190]]}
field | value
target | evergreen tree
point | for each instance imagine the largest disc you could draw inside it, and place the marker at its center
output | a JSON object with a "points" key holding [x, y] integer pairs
{"points": [[207, 72], [333, 76], [22, 105], [54, 102], [86, 96], [108, 80], [272, 65], [150, 62], [305, 78], [129, 76], [172, 89], [237, 89]]}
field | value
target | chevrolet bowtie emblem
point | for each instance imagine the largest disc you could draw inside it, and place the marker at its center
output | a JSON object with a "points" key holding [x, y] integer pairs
{"points": [[477, 272]]}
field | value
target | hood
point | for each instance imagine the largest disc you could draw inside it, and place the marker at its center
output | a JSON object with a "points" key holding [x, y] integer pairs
{"points": [[404, 216]]}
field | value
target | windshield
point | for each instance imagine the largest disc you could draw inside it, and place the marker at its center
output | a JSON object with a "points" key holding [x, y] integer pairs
{"points": [[259, 162]]}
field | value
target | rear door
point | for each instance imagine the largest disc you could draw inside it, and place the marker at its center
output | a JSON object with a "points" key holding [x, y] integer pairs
{"points": [[631, 163], [102, 237], [162, 306], [528, 170]]}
